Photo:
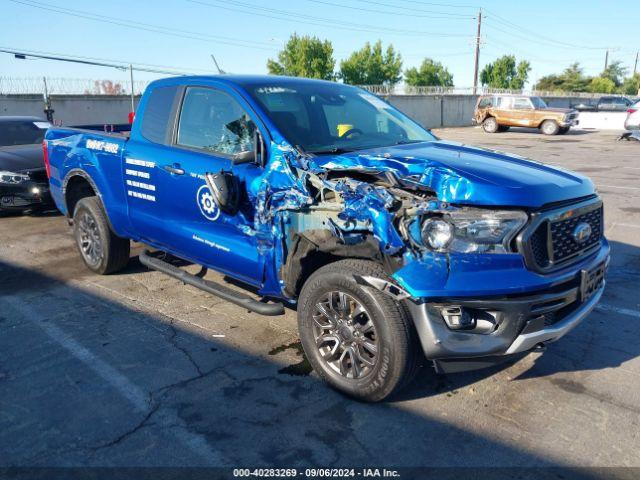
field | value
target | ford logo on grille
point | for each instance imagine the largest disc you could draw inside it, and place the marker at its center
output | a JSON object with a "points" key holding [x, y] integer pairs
{"points": [[582, 232]]}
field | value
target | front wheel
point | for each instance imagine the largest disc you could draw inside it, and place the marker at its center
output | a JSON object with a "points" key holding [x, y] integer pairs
{"points": [[358, 339], [102, 250], [490, 125], [550, 127]]}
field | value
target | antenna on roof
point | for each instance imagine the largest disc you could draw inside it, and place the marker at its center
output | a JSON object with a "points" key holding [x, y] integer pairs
{"points": [[220, 71]]}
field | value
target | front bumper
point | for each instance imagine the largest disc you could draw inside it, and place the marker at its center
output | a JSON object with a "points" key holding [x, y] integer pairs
{"points": [[569, 123], [24, 196], [513, 323]]}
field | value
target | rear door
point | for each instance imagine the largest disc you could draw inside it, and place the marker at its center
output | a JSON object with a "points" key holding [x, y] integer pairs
{"points": [[522, 112]]}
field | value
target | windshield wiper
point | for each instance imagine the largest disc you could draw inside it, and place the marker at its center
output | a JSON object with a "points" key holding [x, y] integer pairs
{"points": [[333, 150], [407, 142]]}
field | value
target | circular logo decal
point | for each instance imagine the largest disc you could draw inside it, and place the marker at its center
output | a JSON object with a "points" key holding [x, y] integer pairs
{"points": [[207, 205]]}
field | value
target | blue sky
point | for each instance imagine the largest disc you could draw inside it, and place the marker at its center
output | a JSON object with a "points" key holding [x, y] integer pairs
{"points": [[243, 34]]}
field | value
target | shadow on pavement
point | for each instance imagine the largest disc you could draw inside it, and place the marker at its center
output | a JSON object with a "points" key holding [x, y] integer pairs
{"points": [[86, 381]]}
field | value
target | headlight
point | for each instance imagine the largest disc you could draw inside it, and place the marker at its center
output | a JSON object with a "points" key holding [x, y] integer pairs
{"points": [[437, 233], [12, 178], [473, 230]]}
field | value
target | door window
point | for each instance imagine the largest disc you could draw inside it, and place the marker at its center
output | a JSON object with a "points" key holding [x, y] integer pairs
{"points": [[212, 120], [521, 104]]}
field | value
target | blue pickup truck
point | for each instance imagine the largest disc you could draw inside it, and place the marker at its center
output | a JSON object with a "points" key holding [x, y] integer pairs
{"points": [[393, 246]]}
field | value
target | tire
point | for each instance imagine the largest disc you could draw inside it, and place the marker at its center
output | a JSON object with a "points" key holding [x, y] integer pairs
{"points": [[102, 251], [550, 127], [380, 321], [563, 130], [503, 128], [490, 125]]}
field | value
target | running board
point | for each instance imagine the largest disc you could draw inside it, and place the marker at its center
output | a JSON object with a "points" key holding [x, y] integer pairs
{"points": [[213, 288]]}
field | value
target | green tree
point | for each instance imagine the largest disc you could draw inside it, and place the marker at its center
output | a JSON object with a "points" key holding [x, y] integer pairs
{"points": [[614, 72], [371, 66], [430, 73], [572, 79], [503, 73], [601, 85], [631, 85], [304, 56]]}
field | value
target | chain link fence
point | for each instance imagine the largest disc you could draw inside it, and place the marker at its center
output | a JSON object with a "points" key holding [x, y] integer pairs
{"points": [[402, 89]]}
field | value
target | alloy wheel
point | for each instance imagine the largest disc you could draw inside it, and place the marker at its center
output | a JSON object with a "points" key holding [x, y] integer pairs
{"points": [[89, 239], [345, 335]]}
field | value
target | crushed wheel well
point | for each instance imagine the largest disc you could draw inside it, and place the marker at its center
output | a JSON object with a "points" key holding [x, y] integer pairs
{"points": [[316, 248], [77, 188]]}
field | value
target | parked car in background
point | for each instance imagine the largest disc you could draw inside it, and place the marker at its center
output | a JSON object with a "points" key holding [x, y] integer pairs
{"points": [[23, 179], [391, 243], [497, 113], [632, 122], [610, 103]]}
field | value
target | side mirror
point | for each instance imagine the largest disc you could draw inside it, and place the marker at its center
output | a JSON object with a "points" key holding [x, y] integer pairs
{"points": [[225, 189], [252, 156], [259, 148]]}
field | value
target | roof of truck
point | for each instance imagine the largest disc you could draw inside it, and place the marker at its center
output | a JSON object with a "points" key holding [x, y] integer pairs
{"points": [[242, 80]]}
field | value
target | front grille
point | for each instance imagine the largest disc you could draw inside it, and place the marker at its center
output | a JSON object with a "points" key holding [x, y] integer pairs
{"points": [[539, 245], [564, 245], [552, 242]]}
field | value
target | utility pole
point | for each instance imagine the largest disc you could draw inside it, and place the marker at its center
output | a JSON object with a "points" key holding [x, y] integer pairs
{"points": [[132, 112], [133, 106], [635, 65], [477, 60], [606, 59], [48, 111]]}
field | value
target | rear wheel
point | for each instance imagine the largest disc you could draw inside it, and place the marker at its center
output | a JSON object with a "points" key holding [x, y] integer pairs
{"points": [[490, 125], [358, 339], [550, 127], [102, 250]]}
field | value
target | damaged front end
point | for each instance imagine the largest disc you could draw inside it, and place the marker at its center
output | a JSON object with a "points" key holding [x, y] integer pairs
{"points": [[458, 268]]}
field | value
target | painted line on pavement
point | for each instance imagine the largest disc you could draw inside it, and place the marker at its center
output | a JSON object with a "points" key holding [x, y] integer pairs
{"points": [[127, 389], [603, 307]]}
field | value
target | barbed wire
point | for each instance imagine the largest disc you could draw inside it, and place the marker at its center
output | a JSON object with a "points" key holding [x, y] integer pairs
{"points": [[86, 86], [69, 86]]}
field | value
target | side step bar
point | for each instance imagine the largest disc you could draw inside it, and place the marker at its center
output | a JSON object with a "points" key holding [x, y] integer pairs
{"points": [[216, 289]]}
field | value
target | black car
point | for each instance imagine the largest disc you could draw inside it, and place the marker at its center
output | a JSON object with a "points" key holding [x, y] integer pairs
{"points": [[612, 103], [24, 185]]}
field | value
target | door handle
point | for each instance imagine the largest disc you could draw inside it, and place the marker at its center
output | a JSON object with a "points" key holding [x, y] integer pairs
{"points": [[174, 169]]}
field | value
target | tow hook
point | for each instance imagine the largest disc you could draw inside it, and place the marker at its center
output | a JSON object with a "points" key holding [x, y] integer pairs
{"points": [[541, 347]]}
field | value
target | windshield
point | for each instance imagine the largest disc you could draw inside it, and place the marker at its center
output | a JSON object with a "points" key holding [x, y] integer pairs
{"points": [[22, 132], [538, 102], [332, 118]]}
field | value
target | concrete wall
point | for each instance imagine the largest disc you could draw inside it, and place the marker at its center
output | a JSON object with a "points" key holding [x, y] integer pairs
{"points": [[434, 111], [70, 109], [431, 111]]}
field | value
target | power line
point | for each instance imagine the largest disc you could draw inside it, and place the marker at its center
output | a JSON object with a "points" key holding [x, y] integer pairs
{"points": [[120, 65], [450, 5], [429, 14], [288, 15], [163, 30], [536, 36]]}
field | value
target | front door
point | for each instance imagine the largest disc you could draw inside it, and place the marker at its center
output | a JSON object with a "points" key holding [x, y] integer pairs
{"points": [[211, 127]]}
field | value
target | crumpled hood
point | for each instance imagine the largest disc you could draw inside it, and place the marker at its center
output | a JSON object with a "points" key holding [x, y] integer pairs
{"points": [[21, 158], [466, 175]]}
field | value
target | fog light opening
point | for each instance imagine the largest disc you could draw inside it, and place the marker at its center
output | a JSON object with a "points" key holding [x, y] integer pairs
{"points": [[457, 318], [471, 320]]}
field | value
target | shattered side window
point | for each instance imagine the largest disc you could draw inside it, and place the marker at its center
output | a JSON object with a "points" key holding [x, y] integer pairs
{"points": [[212, 120]]}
